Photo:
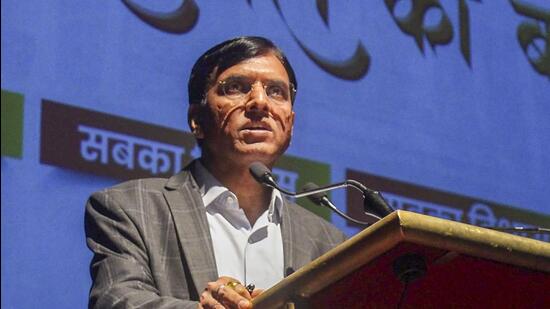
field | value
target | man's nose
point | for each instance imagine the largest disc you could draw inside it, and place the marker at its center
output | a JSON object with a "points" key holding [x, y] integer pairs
{"points": [[258, 100]]}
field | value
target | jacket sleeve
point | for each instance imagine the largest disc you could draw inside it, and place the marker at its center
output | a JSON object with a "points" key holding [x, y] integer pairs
{"points": [[121, 276]]}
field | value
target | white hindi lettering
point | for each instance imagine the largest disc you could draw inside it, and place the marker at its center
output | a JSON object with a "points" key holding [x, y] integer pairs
{"points": [[152, 156], [123, 153], [423, 207], [156, 158], [481, 215], [96, 145]]}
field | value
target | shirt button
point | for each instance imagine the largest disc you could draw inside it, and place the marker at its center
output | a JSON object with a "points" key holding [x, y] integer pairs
{"points": [[229, 200]]}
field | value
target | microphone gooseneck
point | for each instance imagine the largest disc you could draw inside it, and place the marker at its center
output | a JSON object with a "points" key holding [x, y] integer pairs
{"points": [[322, 200], [373, 202]]}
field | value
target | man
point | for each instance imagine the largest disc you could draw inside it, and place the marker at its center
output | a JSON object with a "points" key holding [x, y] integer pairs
{"points": [[197, 238]]}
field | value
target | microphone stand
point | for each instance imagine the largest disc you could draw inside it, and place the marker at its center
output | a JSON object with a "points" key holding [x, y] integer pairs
{"points": [[373, 203]]}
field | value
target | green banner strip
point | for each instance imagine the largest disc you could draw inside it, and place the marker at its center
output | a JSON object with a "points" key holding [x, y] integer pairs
{"points": [[12, 124], [308, 171]]}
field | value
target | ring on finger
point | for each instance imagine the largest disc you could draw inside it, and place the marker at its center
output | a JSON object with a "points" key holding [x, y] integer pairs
{"points": [[232, 284]]}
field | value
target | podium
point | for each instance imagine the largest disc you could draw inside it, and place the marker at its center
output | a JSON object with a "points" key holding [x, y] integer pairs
{"points": [[409, 260]]}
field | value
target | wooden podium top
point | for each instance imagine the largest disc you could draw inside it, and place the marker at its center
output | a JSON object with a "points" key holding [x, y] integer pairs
{"points": [[438, 240]]}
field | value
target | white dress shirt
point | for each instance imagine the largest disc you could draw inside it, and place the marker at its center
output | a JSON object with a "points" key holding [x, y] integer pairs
{"points": [[251, 254]]}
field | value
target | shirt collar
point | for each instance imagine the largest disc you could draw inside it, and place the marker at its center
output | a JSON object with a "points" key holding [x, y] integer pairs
{"points": [[213, 190]]}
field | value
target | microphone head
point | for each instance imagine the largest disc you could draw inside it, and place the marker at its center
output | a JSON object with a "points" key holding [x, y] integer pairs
{"points": [[260, 172], [316, 198], [374, 202]]}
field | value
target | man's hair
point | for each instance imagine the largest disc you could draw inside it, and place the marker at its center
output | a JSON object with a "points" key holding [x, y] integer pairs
{"points": [[227, 54]]}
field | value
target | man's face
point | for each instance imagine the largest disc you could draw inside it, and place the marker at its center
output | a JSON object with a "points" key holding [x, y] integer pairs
{"points": [[249, 115]]}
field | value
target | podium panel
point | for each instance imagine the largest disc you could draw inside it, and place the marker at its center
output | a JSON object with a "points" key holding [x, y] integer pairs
{"points": [[409, 260], [451, 279]]}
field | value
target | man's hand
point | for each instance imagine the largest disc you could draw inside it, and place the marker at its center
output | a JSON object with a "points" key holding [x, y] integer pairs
{"points": [[257, 292], [226, 292]]}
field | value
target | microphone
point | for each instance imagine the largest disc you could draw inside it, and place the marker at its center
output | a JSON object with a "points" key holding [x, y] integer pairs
{"points": [[373, 202], [318, 198], [263, 175], [321, 199]]}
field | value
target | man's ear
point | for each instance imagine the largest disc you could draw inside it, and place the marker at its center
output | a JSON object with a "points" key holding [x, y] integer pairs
{"points": [[292, 123], [194, 119]]}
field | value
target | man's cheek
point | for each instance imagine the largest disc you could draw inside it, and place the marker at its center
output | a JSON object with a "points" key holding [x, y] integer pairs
{"points": [[289, 122], [227, 114]]}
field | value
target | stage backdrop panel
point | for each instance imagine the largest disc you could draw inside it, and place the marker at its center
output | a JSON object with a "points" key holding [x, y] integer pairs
{"points": [[442, 105]]}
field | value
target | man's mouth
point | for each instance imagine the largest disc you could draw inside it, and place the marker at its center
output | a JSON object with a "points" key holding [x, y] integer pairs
{"points": [[257, 127]]}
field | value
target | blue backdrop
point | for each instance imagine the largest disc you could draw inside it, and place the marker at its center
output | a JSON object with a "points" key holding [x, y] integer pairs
{"points": [[447, 98]]}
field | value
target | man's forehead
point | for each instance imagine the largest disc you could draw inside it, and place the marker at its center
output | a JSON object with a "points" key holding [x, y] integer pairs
{"points": [[265, 66]]}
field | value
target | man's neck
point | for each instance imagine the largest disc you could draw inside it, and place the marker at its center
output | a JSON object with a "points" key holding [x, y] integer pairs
{"points": [[253, 197]]}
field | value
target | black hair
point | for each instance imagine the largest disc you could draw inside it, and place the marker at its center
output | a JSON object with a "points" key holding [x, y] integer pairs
{"points": [[227, 54]]}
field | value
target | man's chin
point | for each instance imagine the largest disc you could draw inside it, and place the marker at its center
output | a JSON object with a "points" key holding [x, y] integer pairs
{"points": [[259, 152]]}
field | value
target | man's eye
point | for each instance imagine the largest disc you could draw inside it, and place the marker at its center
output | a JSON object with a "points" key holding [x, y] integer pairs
{"points": [[234, 87], [276, 92]]}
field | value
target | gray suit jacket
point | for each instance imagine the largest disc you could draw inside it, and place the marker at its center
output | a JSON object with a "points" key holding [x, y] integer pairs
{"points": [[152, 245]]}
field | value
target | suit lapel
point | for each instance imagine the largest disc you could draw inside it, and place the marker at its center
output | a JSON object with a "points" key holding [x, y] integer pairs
{"points": [[189, 215]]}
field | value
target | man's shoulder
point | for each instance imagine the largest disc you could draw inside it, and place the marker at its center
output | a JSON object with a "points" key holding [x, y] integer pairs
{"points": [[150, 185], [155, 184], [140, 190], [134, 186], [128, 194]]}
